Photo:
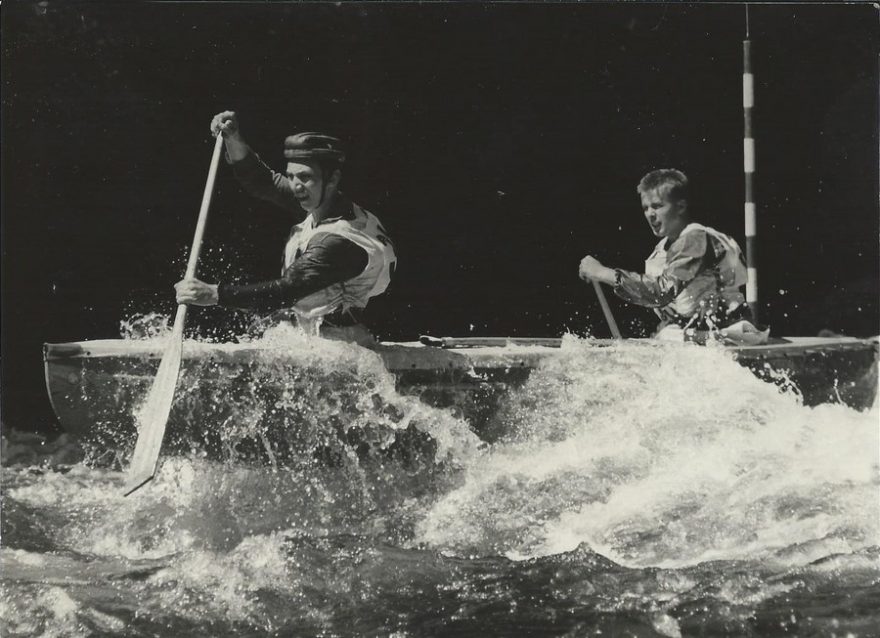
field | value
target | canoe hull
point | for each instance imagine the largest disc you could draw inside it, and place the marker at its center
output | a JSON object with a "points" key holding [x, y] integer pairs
{"points": [[95, 386]]}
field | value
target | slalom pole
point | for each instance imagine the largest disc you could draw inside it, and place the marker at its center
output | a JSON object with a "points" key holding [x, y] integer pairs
{"points": [[749, 171]]}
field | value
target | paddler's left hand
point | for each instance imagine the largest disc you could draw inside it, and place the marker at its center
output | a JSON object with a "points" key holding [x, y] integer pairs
{"points": [[196, 293]]}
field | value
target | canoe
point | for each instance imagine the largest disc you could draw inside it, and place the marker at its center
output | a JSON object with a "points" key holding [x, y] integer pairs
{"points": [[95, 386]]}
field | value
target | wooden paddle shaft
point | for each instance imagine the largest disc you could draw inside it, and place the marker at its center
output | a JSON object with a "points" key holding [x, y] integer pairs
{"points": [[203, 211], [196, 249], [606, 309]]}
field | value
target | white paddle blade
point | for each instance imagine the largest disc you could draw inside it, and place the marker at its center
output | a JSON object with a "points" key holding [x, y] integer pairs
{"points": [[153, 417]]}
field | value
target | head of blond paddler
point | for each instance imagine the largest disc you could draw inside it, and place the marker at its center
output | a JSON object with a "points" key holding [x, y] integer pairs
{"points": [[664, 197]]}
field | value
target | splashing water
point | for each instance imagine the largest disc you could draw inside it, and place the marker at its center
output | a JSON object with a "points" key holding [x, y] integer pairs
{"points": [[665, 456], [635, 490], [145, 326]]}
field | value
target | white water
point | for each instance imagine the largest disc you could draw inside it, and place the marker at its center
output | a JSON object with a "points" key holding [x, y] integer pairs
{"points": [[649, 455], [665, 456]]}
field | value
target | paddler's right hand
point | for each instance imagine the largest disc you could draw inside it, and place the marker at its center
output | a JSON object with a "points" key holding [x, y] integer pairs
{"points": [[196, 293], [225, 122]]}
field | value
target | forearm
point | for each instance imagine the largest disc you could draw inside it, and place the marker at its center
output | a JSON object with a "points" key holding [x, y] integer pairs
{"points": [[328, 260], [261, 181], [265, 295], [644, 290], [236, 148], [686, 259], [299, 281], [605, 275]]}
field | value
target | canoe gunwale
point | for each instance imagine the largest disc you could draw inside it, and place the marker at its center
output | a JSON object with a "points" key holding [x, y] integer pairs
{"points": [[404, 353]]}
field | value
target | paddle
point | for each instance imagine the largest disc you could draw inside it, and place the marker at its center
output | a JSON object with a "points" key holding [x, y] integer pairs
{"points": [[153, 416], [490, 342], [606, 309]]}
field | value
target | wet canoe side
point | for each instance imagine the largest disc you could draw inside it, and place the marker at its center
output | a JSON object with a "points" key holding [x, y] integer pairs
{"points": [[94, 385]]}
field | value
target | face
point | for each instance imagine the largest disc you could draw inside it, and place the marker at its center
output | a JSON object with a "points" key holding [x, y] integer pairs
{"points": [[307, 182], [666, 218]]}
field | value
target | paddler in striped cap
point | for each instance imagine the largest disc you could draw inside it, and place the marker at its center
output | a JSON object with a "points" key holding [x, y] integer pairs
{"points": [[693, 277], [335, 260]]}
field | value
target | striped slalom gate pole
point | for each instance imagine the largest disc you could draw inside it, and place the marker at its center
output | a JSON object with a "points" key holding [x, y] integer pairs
{"points": [[749, 170]]}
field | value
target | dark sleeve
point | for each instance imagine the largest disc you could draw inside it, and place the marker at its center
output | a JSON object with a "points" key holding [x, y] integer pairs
{"points": [[688, 257], [328, 259], [261, 181]]}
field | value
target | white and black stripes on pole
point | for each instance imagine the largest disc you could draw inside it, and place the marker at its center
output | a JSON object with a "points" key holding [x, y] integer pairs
{"points": [[749, 171]]}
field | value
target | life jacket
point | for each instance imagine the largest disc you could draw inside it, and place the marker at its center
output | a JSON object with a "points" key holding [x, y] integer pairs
{"points": [[366, 231], [712, 288]]}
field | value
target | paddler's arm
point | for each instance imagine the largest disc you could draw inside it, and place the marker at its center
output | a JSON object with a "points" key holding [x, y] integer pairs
{"points": [[328, 259], [251, 172], [633, 287], [644, 290], [688, 257], [262, 182]]}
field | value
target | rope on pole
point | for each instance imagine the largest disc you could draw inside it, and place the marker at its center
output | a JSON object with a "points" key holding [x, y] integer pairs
{"points": [[749, 171]]}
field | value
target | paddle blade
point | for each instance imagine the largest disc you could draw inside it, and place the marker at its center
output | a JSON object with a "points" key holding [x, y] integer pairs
{"points": [[153, 417]]}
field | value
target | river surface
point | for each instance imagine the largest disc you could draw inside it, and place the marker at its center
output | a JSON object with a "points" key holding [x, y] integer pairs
{"points": [[641, 491]]}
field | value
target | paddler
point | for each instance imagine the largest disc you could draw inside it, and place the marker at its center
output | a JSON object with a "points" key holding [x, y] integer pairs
{"points": [[335, 260], [693, 277]]}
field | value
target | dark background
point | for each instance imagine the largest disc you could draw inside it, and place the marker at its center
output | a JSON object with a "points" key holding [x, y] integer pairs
{"points": [[499, 143]]}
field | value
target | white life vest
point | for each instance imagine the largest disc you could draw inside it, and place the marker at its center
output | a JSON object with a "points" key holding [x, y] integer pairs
{"points": [[720, 284], [366, 231]]}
